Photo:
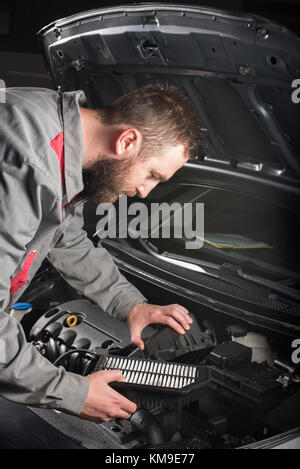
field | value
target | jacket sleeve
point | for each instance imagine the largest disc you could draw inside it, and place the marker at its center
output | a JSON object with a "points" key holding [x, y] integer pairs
{"points": [[27, 377], [92, 271]]}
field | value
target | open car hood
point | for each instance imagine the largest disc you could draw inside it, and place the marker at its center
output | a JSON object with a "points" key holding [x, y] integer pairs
{"points": [[237, 69]]}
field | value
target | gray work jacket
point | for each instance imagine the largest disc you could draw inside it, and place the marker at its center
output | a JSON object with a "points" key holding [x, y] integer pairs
{"points": [[41, 172]]}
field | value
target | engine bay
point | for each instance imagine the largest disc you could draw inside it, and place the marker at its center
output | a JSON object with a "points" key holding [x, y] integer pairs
{"points": [[202, 389]]}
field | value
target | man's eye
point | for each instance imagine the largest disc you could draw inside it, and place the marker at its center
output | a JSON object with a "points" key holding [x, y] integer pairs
{"points": [[153, 176]]}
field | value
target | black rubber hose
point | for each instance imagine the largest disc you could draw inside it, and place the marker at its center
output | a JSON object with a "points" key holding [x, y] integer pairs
{"points": [[65, 356], [62, 350], [148, 425], [52, 351], [87, 366], [74, 363]]}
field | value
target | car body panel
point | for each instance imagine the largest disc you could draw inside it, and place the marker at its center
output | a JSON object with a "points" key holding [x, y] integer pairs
{"points": [[236, 69]]}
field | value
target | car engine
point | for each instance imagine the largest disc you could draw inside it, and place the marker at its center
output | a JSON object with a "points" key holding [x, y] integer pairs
{"points": [[197, 390]]}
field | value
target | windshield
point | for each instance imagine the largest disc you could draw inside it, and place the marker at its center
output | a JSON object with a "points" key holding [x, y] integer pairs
{"points": [[258, 236]]}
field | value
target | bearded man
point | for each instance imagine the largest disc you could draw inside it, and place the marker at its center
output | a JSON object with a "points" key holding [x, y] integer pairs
{"points": [[56, 154]]}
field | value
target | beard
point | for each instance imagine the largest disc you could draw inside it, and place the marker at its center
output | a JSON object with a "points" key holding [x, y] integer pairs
{"points": [[104, 181]]}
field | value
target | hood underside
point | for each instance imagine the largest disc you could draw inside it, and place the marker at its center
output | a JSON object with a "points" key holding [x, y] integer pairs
{"points": [[238, 70]]}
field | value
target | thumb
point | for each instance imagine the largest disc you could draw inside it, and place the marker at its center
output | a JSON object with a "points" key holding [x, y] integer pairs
{"points": [[135, 332], [139, 343]]}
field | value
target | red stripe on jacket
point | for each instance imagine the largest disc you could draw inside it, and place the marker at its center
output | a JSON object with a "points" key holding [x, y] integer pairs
{"points": [[57, 144], [21, 278]]}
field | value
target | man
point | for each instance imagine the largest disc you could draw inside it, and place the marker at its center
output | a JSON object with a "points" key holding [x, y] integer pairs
{"points": [[55, 154]]}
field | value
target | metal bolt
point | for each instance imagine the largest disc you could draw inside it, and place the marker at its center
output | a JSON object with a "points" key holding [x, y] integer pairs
{"points": [[263, 32], [245, 70]]}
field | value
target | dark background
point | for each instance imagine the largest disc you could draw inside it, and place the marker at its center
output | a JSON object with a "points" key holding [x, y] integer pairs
{"points": [[21, 63]]}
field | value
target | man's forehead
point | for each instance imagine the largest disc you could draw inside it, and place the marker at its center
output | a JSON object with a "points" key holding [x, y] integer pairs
{"points": [[169, 162]]}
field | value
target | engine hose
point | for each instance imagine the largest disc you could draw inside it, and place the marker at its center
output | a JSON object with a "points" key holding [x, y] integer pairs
{"points": [[87, 367], [52, 351], [58, 353], [84, 365], [147, 424], [62, 350], [74, 363], [64, 357]]}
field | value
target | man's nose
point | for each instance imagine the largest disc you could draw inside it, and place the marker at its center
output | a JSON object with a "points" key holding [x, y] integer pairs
{"points": [[145, 189]]}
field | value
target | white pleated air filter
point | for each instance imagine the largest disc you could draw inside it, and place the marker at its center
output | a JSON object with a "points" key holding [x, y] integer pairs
{"points": [[154, 374]]}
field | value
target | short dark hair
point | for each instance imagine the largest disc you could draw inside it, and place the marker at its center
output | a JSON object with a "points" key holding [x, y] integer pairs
{"points": [[162, 113]]}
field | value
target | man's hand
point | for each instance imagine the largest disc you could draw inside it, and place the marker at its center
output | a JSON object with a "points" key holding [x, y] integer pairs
{"points": [[143, 314], [104, 403]]}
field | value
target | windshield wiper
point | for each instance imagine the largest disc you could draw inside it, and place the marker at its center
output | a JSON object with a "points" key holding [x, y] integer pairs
{"points": [[234, 274], [231, 273]]}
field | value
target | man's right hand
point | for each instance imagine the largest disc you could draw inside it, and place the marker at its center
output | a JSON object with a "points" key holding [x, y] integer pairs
{"points": [[104, 403]]}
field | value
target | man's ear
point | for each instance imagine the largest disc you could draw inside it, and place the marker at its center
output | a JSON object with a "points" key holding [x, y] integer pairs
{"points": [[128, 143]]}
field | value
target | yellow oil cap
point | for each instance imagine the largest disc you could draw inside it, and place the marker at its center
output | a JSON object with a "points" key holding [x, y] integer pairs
{"points": [[72, 320]]}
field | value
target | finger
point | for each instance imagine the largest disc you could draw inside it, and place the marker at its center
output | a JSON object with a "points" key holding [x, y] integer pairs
{"points": [[182, 308], [138, 342], [113, 375], [186, 313], [183, 311], [124, 415], [169, 321], [125, 404], [135, 332], [180, 317], [178, 312]]}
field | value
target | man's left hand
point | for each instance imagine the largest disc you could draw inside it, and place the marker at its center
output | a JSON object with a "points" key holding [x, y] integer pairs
{"points": [[143, 314]]}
